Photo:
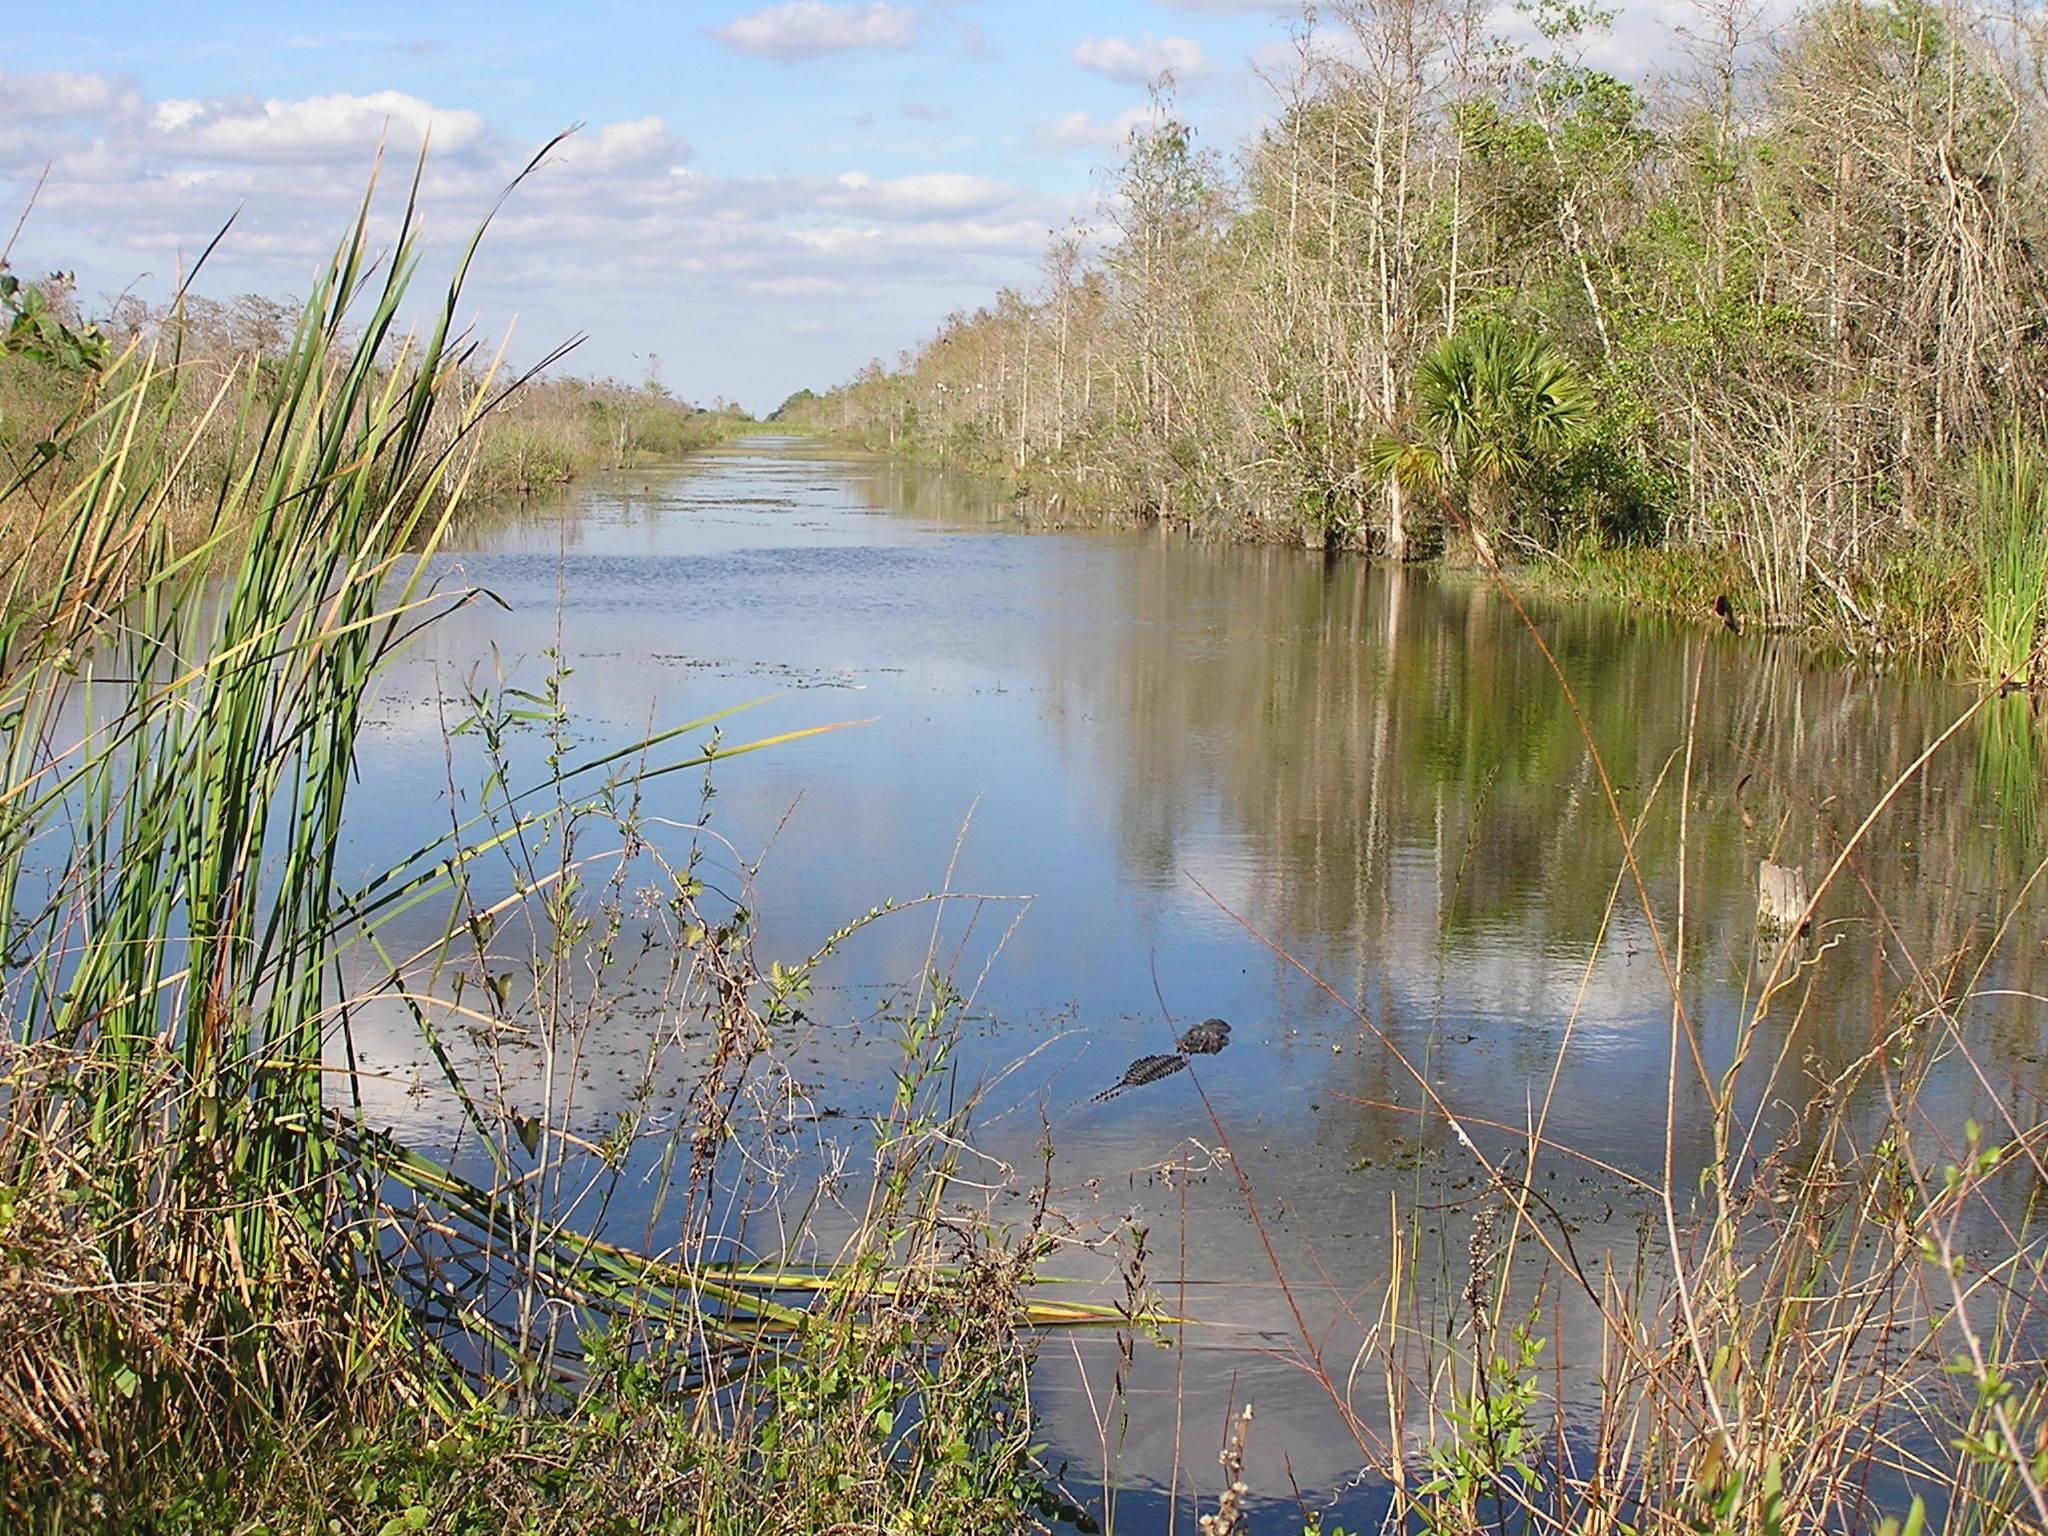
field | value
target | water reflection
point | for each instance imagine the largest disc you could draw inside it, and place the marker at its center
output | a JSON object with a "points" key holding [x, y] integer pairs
{"points": [[1180, 754]]}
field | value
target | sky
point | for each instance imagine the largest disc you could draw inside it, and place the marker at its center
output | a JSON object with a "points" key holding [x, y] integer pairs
{"points": [[757, 197]]}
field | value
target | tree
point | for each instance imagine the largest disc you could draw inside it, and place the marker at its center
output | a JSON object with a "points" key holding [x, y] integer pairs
{"points": [[1496, 408]]}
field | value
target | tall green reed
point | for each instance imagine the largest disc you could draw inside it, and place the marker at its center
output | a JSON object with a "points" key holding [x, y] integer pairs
{"points": [[178, 729], [2011, 546]]}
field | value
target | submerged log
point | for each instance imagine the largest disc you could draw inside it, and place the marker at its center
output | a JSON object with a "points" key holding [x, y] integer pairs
{"points": [[1781, 899]]}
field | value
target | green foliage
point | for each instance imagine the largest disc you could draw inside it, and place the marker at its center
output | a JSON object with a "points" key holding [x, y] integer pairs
{"points": [[1504, 401], [793, 405], [1490, 1455], [1792, 348], [50, 367], [2010, 540], [31, 327], [1498, 409], [630, 1461], [1734, 1508], [555, 432], [1168, 188]]}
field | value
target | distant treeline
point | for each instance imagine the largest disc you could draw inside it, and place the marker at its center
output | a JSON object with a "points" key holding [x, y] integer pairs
{"points": [[1752, 324], [56, 362]]}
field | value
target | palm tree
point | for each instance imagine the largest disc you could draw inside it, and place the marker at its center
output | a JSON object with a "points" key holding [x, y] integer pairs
{"points": [[1495, 407]]}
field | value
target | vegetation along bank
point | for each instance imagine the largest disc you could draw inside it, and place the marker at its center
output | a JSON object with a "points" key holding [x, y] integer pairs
{"points": [[1767, 325], [200, 359]]}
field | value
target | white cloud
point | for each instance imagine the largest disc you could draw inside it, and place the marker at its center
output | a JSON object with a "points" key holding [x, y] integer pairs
{"points": [[803, 29], [932, 194], [698, 263], [1016, 237], [1081, 130], [1144, 61], [644, 144], [796, 287], [313, 128], [63, 94]]}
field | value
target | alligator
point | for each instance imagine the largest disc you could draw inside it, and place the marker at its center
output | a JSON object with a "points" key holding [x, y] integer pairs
{"points": [[1203, 1039]]}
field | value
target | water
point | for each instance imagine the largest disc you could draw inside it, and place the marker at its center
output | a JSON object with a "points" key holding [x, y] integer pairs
{"points": [[1192, 768]]}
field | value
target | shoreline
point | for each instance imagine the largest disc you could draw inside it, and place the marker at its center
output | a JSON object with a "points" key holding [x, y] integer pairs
{"points": [[1683, 586]]}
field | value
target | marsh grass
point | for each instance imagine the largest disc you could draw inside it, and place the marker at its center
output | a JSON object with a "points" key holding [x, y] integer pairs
{"points": [[177, 755], [2011, 547], [187, 369], [232, 1289]]}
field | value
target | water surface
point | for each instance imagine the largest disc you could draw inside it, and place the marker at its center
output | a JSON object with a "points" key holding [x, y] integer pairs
{"points": [[1194, 767]]}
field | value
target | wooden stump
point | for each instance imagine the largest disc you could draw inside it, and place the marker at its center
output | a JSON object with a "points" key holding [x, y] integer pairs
{"points": [[1781, 899]]}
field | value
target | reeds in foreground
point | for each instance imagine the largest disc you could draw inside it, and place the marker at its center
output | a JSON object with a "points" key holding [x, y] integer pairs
{"points": [[225, 1288]]}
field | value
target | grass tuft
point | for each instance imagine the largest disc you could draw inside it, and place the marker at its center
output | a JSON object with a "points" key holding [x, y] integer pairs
{"points": [[2011, 547]]}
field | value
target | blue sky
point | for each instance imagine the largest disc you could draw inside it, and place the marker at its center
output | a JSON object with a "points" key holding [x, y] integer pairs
{"points": [[763, 194]]}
